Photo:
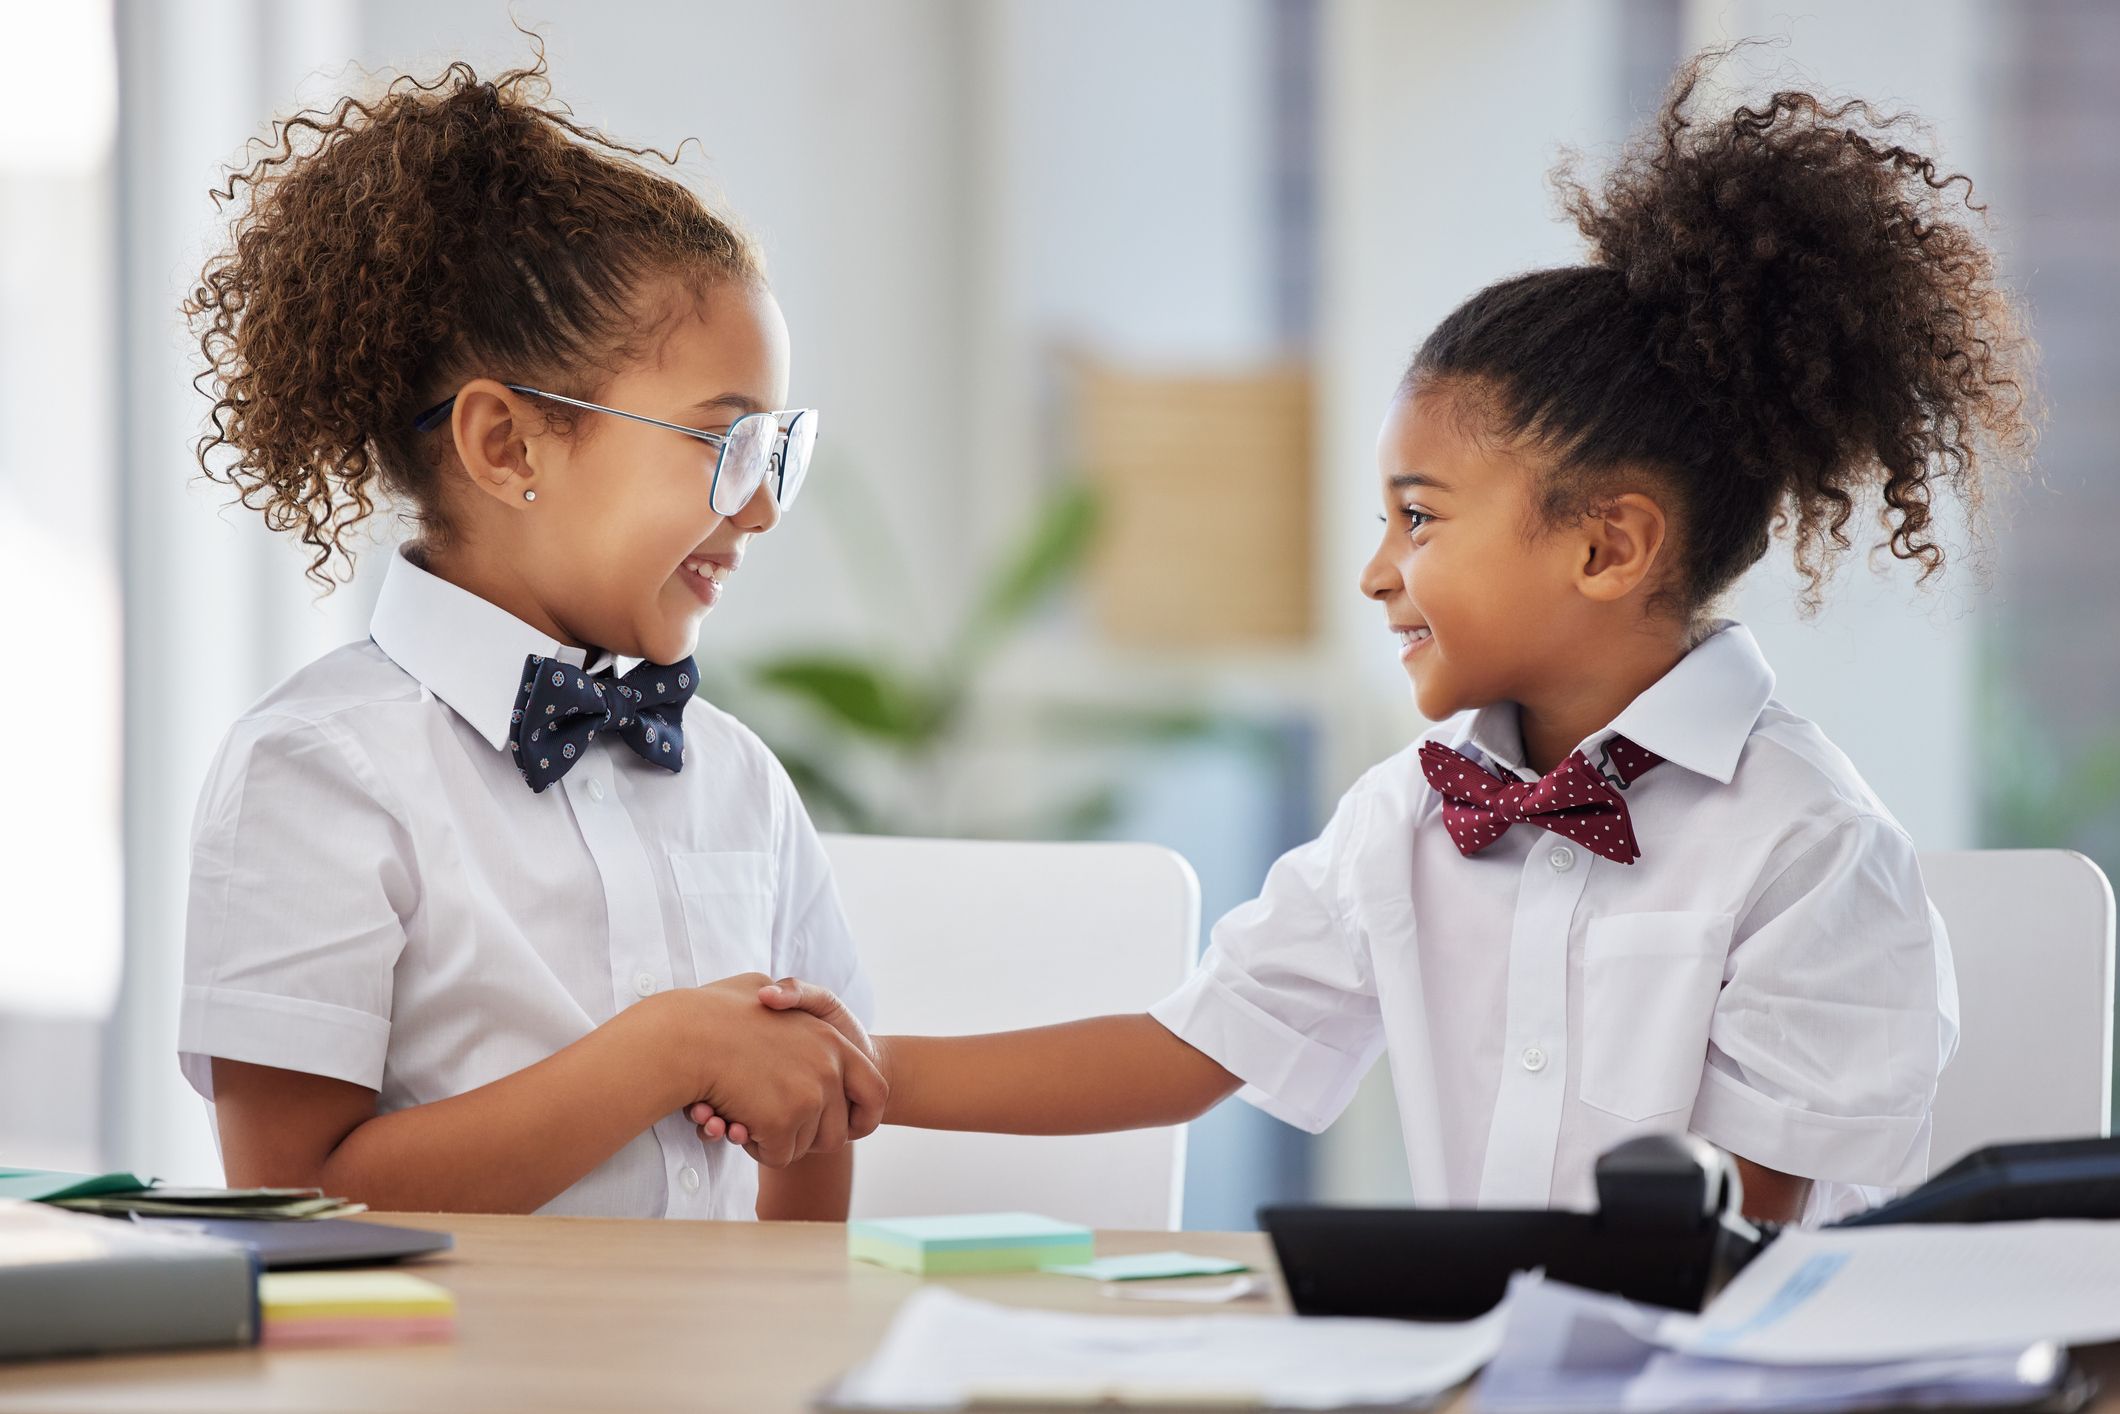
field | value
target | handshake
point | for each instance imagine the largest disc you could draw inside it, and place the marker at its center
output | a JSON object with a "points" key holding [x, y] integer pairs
{"points": [[793, 1071]]}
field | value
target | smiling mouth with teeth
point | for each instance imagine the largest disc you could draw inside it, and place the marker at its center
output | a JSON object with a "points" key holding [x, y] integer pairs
{"points": [[1411, 639], [705, 577], [707, 569]]}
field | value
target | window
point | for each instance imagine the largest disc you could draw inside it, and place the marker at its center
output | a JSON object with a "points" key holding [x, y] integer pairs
{"points": [[61, 935]]}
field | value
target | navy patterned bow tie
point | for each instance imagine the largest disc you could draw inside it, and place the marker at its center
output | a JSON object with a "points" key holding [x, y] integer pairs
{"points": [[1573, 799], [560, 709]]}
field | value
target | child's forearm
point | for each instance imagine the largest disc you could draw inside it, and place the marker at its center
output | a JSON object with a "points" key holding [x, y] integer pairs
{"points": [[1082, 1077], [514, 1144], [815, 1189]]}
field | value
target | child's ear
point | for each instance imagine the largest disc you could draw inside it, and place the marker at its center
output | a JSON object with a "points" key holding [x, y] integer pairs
{"points": [[487, 425], [1623, 540]]}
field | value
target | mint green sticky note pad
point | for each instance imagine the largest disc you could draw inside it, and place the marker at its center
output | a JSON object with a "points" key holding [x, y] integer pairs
{"points": [[1146, 1266], [977, 1242]]}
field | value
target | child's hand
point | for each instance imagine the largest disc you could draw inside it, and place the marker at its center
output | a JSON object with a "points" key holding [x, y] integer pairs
{"points": [[713, 1127], [801, 1085], [791, 994]]}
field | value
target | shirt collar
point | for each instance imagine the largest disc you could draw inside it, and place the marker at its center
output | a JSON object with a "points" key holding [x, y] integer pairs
{"points": [[465, 650], [1699, 715], [1497, 735]]}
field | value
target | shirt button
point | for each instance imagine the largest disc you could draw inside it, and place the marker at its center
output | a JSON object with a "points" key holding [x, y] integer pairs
{"points": [[689, 1177], [596, 790], [645, 984], [1562, 859], [1534, 1058]]}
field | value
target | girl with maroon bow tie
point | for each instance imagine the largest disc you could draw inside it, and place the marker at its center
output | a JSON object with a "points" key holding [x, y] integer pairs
{"points": [[1620, 889]]}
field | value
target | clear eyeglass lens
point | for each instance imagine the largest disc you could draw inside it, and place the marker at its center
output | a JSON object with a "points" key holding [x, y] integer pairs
{"points": [[795, 463], [744, 462]]}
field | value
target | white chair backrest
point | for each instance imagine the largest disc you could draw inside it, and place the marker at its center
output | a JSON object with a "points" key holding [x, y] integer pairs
{"points": [[2032, 939], [972, 935]]}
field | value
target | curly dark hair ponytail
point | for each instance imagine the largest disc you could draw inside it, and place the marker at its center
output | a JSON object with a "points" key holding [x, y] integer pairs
{"points": [[1781, 321], [391, 248]]}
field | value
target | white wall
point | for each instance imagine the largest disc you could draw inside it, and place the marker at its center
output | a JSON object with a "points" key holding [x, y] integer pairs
{"points": [[59, 857], [1440, 125], [1117, 205], [1136, 179], [1887, 671], [61, 870]]}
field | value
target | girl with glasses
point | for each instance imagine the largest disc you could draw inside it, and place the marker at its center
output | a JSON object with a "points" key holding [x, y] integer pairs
{"points": [[481, 902]]}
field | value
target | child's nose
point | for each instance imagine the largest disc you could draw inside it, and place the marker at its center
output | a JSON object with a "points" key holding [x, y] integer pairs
{"points": [[1379, 577], [761, 513]]}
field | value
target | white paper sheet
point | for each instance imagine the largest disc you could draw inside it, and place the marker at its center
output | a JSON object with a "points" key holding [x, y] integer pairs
{"points": [[946, 1350], [1569, 1351], [1884, 1293], [1215, 1293]]}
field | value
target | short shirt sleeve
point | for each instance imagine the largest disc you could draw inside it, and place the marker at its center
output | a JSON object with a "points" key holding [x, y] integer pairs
{"points": [[1284, 998], [1837, 1013], [811, 939], [301, 879]]}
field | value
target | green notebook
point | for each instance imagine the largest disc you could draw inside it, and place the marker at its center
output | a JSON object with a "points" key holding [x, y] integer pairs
{"points": [[44, 1185], [121, 1193]]}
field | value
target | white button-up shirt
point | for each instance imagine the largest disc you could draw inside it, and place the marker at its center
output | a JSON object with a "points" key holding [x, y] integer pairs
{"points": [[377, 896], [1769, 974]]}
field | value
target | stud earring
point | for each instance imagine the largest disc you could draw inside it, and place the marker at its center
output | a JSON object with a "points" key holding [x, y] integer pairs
{"points": [[529, 495]]}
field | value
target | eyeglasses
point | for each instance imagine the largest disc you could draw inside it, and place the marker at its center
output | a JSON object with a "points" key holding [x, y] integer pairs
{"points": [[757, 445]]}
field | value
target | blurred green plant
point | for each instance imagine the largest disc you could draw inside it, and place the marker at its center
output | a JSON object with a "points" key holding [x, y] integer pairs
{"points": [[888, 737], [2036, 794]]}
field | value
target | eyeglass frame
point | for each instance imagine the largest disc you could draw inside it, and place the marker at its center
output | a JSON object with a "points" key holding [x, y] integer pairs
{"points": [[776, 464]]}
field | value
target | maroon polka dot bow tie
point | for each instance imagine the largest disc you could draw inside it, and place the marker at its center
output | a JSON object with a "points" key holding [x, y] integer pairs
{"points": [[1573, 799]]}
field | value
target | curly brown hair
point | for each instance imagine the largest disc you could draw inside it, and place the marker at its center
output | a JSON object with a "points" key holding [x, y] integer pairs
{"points": [[1781, 320], [390, 248]]}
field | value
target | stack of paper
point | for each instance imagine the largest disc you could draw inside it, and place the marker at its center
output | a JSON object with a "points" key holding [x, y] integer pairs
{"points": [[947, 1351], [982, 1242], [117, 1194], [1925, 1314], [1920, 1289], [285, 1204], [1569, 1351], [353, 1308]]}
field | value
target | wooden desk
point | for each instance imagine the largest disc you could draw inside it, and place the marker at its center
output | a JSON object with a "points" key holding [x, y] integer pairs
{"points": [[600, 1314], [603, 1314]]}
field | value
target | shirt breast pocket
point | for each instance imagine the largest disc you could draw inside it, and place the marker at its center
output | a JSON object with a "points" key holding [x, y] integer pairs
{"points": [[728, 905], [1649, 987]]}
